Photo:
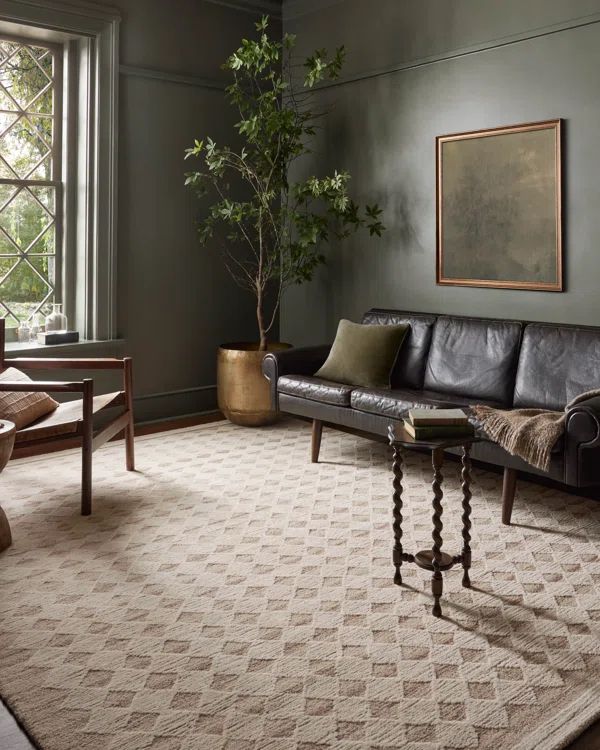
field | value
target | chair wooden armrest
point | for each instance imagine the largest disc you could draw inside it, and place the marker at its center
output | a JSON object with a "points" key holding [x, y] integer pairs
{"points": [[50, 363], [75, 419], [43, 385]]}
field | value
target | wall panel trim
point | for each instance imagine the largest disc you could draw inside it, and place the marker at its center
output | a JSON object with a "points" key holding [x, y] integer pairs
{"points": [[574, 23], [167, 77], [272, 7], [297, 8]]}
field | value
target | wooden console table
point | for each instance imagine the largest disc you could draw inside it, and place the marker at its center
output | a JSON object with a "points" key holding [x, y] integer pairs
{"points": [[432, 559], [7, 441]]}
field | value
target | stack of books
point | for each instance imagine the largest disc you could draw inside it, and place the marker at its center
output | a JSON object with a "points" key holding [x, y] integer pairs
{"points": [[424, 424]]}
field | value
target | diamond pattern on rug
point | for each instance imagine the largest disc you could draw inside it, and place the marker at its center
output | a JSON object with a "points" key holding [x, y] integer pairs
{"points": [[230, 595]]}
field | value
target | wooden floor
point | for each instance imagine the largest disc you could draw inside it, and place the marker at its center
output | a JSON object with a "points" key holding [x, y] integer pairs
{"points": [[12, 736]]}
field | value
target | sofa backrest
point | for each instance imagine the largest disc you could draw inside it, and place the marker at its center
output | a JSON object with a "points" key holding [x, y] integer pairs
{"points": [[474, 358], [410, 365], [556, 364]]}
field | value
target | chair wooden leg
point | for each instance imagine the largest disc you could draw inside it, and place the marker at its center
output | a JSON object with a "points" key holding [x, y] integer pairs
{"points": [[508, 494], [317, 432], [87, 447], [129, 435]]}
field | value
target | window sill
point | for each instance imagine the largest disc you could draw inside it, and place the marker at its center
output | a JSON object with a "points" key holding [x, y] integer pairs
{"points": [[112, 348]]}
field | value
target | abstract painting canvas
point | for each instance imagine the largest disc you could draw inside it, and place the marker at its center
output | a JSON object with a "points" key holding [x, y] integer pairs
{"points": [[499, 207]]}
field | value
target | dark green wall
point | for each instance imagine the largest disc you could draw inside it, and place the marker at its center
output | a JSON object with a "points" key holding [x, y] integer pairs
{"points": [[421, 68], [176, 303]]}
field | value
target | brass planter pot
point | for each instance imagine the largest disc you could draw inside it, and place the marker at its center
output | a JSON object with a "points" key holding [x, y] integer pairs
{"points": [[243, 392]]}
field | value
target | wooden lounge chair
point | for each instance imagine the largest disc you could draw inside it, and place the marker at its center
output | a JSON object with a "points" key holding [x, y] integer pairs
{"points": [[88, 421]]}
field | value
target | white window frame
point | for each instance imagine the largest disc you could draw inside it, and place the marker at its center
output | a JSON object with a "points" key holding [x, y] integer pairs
{"points": [[90, 35]]}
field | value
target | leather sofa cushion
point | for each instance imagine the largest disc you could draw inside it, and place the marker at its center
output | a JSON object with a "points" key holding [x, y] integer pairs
{"points": [[315, 389], [474, 358], [396, 403], [556, 364], [409, 369]]}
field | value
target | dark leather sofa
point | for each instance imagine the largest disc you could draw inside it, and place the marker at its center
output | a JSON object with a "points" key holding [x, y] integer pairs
{"points": [[461, 361]]}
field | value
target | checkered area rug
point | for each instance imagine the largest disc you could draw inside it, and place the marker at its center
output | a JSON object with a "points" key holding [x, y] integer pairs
{"points": [[231, 595]]}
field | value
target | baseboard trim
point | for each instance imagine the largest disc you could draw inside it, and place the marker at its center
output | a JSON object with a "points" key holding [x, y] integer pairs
{"points": [[141, 428], [152, 407], [177, 392]]}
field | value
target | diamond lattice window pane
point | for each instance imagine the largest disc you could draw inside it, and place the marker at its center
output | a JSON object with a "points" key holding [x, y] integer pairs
{"points": [[6, 103], [22, 289], [6, 120], [46, 195], [41, 126], [6, 49], [45, 269], [23, 77], [44, 245], [44, 102], [6, 266], [23, 146], [6, 172], [43, 171], [25, 218], [6, 193]]}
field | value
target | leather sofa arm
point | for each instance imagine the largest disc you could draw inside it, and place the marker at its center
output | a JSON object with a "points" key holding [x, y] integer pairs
{"points": [[303, 360], [582, 433], [583, 422]]}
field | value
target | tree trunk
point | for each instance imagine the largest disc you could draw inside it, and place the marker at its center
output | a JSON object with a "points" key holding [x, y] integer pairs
{"points": [[261, 323]]}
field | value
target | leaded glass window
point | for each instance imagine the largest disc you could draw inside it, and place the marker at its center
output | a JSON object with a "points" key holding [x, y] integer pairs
{"points": [[30, 179]]}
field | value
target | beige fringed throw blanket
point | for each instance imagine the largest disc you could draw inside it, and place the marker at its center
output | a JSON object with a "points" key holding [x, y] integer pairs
{"points": [[529, 434]]}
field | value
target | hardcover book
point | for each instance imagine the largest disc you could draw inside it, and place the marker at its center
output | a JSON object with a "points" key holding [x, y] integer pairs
{"points": [[428, 432], [438, 417]]}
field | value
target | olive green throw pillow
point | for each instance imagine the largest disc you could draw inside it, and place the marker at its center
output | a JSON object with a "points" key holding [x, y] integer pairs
{"points": [[363, 354]]}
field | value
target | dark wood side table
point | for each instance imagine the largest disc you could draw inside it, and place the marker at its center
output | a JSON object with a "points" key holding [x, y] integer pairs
{"points": [[432, 559], [7, 441]]}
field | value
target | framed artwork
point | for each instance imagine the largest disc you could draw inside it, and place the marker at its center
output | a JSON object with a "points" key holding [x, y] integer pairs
{"points": [[499, 208]]}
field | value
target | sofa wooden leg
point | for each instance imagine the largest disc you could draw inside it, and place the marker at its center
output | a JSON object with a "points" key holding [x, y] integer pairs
{"points": [[508, 494], [317, 431]]}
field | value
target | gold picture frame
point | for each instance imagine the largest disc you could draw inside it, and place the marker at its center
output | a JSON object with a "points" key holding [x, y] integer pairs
{"points": [[499, 208]]}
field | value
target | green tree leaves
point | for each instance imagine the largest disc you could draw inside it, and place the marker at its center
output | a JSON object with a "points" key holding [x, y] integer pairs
{"points": [[275, 236]]}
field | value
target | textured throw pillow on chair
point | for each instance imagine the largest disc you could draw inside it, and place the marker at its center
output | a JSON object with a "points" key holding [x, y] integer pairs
{"points": [[363, 355], [22, 407]]}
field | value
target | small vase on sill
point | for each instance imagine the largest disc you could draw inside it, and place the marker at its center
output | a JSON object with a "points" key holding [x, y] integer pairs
{"points": [[57, 320], [24, 332]]}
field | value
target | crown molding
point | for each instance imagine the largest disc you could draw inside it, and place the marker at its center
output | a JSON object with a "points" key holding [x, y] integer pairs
{"points": [[64, 11], [272, 7]]}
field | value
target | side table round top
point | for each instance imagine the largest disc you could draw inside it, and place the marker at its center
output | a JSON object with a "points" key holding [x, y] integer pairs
{"points": [[7, 441]]}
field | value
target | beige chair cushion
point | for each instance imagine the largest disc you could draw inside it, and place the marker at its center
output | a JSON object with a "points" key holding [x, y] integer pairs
{"points": [[23, 408]]}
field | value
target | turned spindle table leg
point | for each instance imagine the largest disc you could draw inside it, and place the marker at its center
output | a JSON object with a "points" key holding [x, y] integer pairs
{"points": [[466, 516], [437, 581], [397, 525]]}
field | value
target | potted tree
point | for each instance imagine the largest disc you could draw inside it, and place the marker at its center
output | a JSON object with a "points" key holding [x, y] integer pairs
{"points": [[272, 236]]}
